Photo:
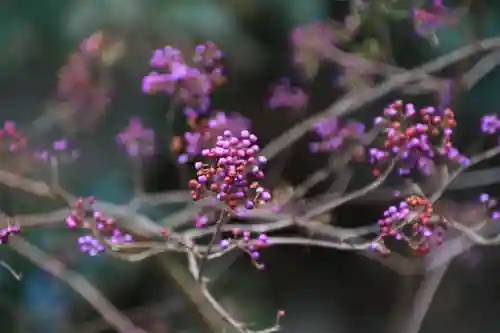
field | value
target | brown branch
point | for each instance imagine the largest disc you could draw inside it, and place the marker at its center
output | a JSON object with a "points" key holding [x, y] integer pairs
{"points": [[77, 282]]}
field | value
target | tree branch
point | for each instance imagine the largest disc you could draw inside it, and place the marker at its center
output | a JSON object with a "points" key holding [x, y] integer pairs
{"points": [[77, 282]]}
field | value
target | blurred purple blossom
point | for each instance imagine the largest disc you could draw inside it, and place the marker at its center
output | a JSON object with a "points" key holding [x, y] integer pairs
{"points": [[333, 135], [284, 95], [191, 85], [136, 139], [490, 124], [88, 244]]}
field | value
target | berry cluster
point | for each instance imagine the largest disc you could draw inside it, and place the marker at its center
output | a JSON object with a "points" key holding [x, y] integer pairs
{"points": [[83, 215], [137, 140], [192, 85], [5, 233], [419, 144], [235, 175], [248, 243], [418, 232], [335, 136], [205, 132]]}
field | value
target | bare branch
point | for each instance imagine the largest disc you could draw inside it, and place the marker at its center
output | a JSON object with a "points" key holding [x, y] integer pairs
{"points": [[16, 275], [423, 300], [481, 69], [364, 96], [79, 284]]}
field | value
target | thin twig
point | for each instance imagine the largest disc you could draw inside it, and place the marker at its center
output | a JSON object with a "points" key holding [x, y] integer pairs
{"points": [[223, 219]]}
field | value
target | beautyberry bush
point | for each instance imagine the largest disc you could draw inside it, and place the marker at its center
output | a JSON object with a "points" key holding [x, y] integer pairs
{"points": [[409, 151]]}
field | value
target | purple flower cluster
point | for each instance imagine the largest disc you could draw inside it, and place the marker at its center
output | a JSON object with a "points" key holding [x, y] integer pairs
{"points": [[137, 140], [192, 85], [5, 233], [235, 172], [490, 124], [90, 245], [284, 95], [419, 144], [248, 243], [419, 233], [83, 215], [205, 133]]}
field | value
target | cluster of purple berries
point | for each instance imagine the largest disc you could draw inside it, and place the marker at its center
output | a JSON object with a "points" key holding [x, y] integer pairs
{"points": [[419, 233], [419, 144], [251, 245], [192, 85], [5, 233], [235, 174], [83, 214]]}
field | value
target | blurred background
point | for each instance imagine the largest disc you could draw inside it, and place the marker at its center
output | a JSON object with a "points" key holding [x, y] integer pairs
{"points": [[320, 290]]}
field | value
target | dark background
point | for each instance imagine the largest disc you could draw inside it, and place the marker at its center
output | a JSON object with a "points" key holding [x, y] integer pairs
{"points": [[321, 290]]}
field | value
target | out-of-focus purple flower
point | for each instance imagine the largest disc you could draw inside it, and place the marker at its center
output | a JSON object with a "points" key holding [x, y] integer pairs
{"points": [[490, 124], [327, 127], [90, 245], [191, 85], [333, 135], [207, 55], [315, 38], [437, 17], [11, 139], [119, 238], [284, 95], [60, 145], [155, 82], [164, 58], [137, 140]]}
